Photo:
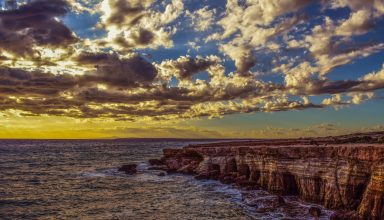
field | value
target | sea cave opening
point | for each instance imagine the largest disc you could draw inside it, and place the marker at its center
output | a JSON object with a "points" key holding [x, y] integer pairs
{"points": [[290, 184]]}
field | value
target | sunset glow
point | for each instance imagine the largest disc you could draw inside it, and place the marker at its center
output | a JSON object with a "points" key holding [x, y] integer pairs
{"points": [[190, 69]]}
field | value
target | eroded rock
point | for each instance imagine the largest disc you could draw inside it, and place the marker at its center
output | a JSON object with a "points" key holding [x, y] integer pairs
{"points": [[128, 169], [247, 184], [335, 172], [155, 162], [345, 215], [315, 211]]}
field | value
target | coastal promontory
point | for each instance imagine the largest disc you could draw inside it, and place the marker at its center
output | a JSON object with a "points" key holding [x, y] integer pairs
{"points": [[344, 173]]}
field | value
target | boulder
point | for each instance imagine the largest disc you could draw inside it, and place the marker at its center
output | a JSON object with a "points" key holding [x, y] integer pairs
{"points": [[128, 169], [155, 162], [226, 179], [315, 211], [264, 201], [173, 164], [280, 200]]}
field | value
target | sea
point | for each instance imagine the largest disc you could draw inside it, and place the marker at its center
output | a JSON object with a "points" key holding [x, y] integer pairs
{"points": [[67, 179]]}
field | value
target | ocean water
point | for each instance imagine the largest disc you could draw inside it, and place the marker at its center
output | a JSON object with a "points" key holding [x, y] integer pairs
{"points": [[79, 180]]}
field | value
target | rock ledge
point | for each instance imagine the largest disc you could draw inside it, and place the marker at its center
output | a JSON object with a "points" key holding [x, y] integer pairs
{"points": [[341, 173]]}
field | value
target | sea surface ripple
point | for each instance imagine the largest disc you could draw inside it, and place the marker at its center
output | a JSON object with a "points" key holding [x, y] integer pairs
{"points": [[79, 180]]}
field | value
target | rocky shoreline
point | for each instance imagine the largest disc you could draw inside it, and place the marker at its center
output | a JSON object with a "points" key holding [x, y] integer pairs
{"points": [[344, 173]]}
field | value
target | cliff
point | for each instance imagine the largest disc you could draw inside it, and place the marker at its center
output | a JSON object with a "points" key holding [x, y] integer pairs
{"points": [[344, 173]]}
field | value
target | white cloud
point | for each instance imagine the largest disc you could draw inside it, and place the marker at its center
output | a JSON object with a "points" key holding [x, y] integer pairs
{"points": [[202, 19]]}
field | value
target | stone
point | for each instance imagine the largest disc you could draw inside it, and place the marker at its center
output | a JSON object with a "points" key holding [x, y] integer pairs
{"points": [[315, 211], [128, 169], [155, 162], [345, 215], [263, 210], [185, 161], [281, 200], [226, 179], [263, 200], [162, 174], [189, 167], [246, 184]]}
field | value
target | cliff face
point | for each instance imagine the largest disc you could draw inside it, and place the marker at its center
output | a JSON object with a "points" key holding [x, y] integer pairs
{"points": [[340, 177]]}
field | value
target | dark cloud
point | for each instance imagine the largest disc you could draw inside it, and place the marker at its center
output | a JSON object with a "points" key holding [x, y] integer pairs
{"points": [[136, 87], [18, 81], [164, 95], [143, 37], [37, 93], [66, 95], [186, 67], [123, 12], [34, 24], [138, 37], [114, 71], [245, 64], [334, 87], [344, 86], [127, 15]]}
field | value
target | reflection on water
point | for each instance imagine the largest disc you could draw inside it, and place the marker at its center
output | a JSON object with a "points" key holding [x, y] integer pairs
{"points": [[78, 179]]}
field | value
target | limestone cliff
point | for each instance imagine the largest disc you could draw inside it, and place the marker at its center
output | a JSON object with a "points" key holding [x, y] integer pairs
{"points": [[340, 175]]}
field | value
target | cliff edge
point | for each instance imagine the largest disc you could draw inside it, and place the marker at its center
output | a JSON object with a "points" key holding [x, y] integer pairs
{"points": [[344, 173]]}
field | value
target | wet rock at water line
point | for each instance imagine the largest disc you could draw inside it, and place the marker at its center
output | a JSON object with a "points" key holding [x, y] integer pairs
{"points": [[129, 169]]}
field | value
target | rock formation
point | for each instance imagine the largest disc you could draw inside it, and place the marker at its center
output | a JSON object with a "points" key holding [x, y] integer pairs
{"points": [[341, 173], [129, 169]]}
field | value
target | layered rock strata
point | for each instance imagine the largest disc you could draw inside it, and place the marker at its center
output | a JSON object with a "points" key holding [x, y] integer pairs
{"points": [[345, 176]]}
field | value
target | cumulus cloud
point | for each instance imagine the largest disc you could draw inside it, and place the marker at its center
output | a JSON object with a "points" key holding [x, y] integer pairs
{"points": [[135, 24], [242, 55], [120, 13], [330, 50], [185, 67], [202, 19], [45, 69], [34, 24], [359, 97], [358, 23], [114, 71], [334, 100], [21, 82], [252, 24], [373, 81]]}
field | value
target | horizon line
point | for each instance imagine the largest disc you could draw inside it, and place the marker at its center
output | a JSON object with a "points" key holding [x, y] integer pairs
{"points": [[181, 139]]}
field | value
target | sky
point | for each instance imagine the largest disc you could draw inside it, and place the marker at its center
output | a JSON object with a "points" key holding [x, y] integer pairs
{"points": [[190, 68]]}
